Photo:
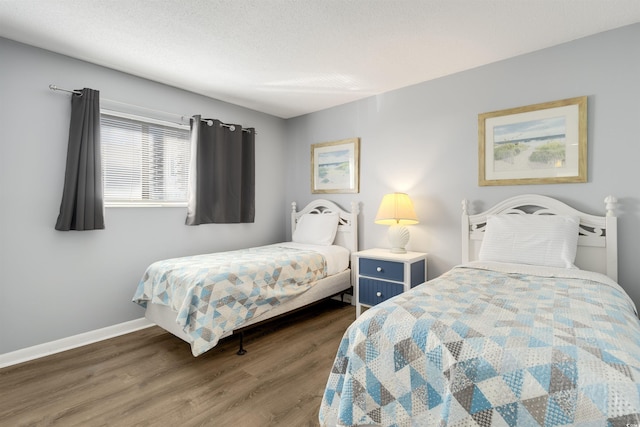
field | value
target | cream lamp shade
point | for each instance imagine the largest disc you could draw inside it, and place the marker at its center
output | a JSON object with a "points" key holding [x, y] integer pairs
{"points": [[396, 210]]}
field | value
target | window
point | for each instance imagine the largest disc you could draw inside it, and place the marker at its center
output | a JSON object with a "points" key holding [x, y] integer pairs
{"points": [[145, 161]]}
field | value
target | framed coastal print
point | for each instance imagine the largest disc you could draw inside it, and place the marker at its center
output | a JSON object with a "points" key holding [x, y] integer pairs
{"points": [[537, 144], [335, 166]]}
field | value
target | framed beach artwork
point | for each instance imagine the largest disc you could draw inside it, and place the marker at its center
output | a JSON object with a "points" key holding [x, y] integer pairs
{"points": [[537, 144], [335, 166]]}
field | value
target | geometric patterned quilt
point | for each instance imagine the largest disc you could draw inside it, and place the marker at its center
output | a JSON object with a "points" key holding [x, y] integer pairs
{"points": [[480, 347], [216, 293]]}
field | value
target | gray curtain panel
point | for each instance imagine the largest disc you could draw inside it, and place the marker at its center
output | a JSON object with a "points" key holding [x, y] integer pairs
{"points": [[82, 206], [222, 173]]}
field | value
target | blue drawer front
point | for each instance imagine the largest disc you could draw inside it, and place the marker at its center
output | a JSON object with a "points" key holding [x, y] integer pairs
{"points": [[388, 270], [417, 273], [369, 289]]}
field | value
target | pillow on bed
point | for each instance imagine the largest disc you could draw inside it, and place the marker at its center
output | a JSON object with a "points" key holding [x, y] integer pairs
{"points": [[316, 229], [545, 240]]}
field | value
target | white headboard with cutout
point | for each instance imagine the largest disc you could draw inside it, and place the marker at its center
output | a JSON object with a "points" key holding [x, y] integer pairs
{"points": [[347, 235], [598, 235]]}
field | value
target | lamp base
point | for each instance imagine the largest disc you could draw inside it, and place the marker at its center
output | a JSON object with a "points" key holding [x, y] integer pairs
{"points": [[398, 251], [398, 237]]}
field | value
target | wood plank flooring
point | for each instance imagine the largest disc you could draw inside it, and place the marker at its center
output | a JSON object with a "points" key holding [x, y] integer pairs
{"points": [[150, 378]]}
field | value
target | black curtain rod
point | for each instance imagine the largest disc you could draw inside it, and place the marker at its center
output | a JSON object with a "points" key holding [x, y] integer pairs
{"points": [[75, 92], [209, 121], [231, 127]]}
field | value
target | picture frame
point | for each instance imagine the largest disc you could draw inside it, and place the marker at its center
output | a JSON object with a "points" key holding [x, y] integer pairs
{"points": [[335, 166], [536, 144]]}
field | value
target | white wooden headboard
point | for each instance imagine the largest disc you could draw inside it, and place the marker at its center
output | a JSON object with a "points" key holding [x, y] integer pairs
{"points": [[347, 234], [598, 235]]}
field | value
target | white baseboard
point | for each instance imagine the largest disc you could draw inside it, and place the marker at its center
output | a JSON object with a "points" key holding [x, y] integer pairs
{"points": [[53, 347], [46, 349]]}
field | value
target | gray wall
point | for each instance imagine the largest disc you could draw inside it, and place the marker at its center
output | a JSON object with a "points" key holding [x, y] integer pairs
{"points": [[57, 284], [423, 140]]}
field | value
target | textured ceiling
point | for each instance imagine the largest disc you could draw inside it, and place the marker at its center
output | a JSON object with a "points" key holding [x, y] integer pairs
{"points": [[292, 57]]}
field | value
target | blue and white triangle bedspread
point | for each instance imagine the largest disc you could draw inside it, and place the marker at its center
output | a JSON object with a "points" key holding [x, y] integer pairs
{"points": [[216, 293], [489, 348]]}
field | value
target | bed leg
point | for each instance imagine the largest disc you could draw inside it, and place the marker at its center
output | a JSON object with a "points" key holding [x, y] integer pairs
{"points": [[241, 350]]}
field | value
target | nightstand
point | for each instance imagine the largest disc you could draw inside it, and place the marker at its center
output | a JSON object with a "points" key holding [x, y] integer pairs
{"points": [[381, 275]]}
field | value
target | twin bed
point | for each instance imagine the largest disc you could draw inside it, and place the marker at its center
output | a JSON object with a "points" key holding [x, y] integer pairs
{"points": [[514, 336], [530, 330], [204, 298]]}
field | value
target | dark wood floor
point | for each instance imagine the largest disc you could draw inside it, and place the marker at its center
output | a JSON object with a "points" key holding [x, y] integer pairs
{"points": [[150, 378]]}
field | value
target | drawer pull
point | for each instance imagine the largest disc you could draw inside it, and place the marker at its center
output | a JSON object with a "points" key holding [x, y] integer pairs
{"points": [[378, 294], [379, 269]]}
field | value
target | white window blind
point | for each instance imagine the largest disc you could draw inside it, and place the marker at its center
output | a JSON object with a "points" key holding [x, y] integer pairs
{"points": [[145, 161]]}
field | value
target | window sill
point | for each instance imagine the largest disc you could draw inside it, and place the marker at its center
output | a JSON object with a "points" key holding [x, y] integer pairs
{"points": [[144, 205]]}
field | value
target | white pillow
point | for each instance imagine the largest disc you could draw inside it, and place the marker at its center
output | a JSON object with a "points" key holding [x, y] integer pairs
{"points": [[546, 240], [316, 229]]}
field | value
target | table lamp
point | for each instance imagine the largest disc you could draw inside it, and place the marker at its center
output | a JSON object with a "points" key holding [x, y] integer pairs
{"points": [[396, 210]]}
